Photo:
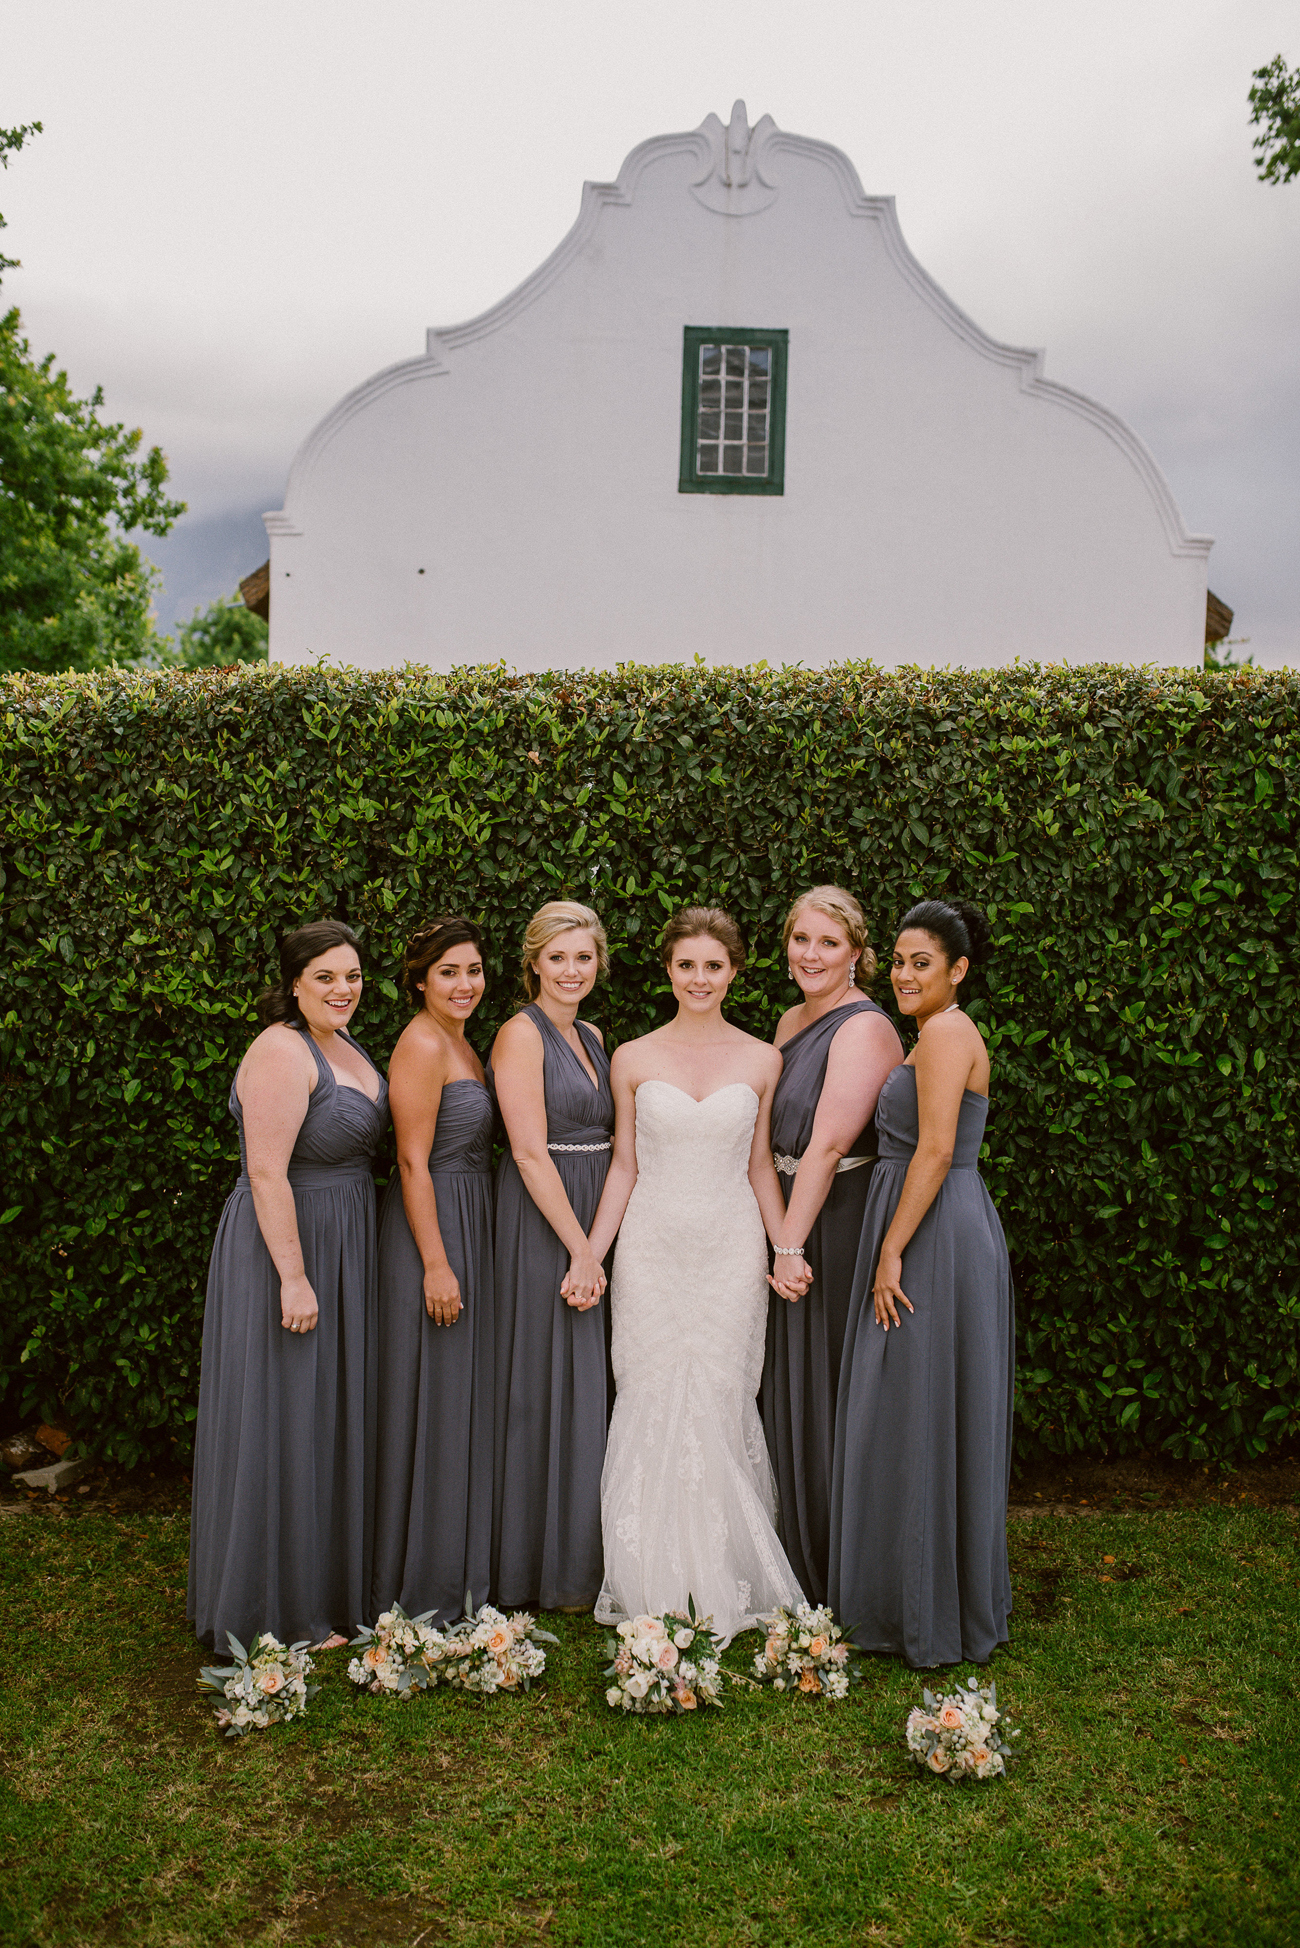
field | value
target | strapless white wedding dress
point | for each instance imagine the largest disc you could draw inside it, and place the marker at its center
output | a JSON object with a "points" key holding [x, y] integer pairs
{"points": [[688, 1501]]}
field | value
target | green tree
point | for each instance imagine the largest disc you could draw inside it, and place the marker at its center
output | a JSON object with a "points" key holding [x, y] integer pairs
{"points": [[74, 592], [1275, 106], [224, 633]]}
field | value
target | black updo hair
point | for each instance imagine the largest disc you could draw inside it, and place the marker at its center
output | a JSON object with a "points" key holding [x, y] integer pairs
{"points": [[961, 929], [429, 943], [297, 950]]}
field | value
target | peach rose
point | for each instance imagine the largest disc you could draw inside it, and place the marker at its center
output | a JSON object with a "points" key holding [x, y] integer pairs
{"points": [[979, 1755], [818, 1647], [650, 1627], [809, 1681], [686, 1699], [939, 1760], [666, 1656], [951, 1718], [270, 1681], [501, 1639]]}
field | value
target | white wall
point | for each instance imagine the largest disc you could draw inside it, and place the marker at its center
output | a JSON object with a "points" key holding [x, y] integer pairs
{"points": [[942, 504]]}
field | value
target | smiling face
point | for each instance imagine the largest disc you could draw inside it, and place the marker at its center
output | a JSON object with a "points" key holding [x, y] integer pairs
{"points": [[925, 983], [821, 954], [701, 971], [453, 985], [567, 967], [328, 990]]}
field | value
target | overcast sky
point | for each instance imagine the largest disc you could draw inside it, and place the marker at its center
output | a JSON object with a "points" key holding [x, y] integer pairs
{"points": [[238, 211]]}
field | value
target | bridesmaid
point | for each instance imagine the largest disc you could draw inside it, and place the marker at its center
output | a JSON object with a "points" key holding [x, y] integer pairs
{"points": [[284, 1448], [838, 1047], [433, 1502], [923, 1438], [550, 1075]]}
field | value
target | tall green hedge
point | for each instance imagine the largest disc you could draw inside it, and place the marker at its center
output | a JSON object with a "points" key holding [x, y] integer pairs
{"points": [[1132, 834]]}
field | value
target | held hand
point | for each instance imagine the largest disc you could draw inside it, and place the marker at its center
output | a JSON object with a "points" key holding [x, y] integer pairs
{"points": [[887, 1294], [442, 1295], [791, 1278], [584, 1282], [298, 1309]]}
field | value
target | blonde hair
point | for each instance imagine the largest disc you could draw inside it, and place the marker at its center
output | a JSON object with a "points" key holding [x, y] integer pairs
{"points": [[556, 917], [841, 907]]}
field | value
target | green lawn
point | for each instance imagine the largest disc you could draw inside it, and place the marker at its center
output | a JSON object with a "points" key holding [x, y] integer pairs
{"points": [[1155, 1801]]}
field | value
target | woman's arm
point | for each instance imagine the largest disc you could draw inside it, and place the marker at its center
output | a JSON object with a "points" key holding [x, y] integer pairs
{"points": [[621, 1181], [862, 1053], [762, 1170], [274, 1088], [943, 1065], [518, 1066], [415, 1078]]}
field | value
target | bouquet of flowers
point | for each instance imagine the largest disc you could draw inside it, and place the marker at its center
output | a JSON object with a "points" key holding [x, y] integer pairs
{"points": [[485, 1652], [667, 1663], [805, 1651], [961, 1736], [266, 1685], [493, 1652]]}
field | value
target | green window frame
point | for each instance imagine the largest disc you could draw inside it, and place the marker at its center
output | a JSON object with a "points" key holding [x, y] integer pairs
{"points": [[733, 410]]}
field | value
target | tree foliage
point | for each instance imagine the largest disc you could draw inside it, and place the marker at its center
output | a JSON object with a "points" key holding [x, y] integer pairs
{"points": [[74, 592], [225, 633], [1132, 834], [1275, 110]]}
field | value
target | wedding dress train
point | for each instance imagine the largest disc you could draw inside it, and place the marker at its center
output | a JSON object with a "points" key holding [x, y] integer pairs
{"points": [[688, 1501]]}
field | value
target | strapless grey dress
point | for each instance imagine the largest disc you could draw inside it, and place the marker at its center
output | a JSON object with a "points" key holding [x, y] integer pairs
{"points": [[433, 1498], [801, 1371], [918, 1546], [281, 1535], [552, 1387]]}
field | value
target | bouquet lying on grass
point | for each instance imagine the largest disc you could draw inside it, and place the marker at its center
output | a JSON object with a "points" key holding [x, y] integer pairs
{"points": [[805, 1651], [266, 1685], [485, 1652], [961, 1736], [667, 1663]]}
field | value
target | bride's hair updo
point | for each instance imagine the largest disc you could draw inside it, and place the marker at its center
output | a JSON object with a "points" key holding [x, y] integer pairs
{"points": [[841, 907], [297, 951], [960, 928], [429, 943], [556, 917], [710, 921]]}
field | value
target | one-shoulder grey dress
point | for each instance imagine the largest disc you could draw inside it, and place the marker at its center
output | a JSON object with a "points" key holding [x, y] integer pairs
{"points": [[433, 1495], [552, 1361], [281, 1538], [801, 1371], [918, 1558]]}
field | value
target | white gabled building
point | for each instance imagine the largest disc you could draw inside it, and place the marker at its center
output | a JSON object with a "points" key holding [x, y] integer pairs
{"points": [[730, 416]]}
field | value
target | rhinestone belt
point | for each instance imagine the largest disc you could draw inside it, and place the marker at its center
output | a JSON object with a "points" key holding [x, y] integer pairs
{"points": [[579, 1149], [788, 1165]]}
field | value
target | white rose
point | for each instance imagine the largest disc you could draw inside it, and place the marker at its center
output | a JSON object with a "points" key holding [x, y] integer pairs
{"points": [[613, 1696], [638, 1684]]}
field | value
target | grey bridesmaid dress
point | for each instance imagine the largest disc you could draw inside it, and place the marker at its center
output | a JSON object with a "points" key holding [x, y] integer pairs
{"points": [[801, 1371], [281, 1539], [433, 1495], [552, 1393], [918, 1559]]}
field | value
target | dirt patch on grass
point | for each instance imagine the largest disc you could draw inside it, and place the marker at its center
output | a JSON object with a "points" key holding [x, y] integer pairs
{"points": [[353, 1919], [1156, 1481]]}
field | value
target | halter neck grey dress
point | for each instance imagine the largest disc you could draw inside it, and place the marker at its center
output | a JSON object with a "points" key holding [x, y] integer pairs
{"points": [[433, 1497], [552, 1396], [918, 1558], [801, 1372], [281, 1535]]}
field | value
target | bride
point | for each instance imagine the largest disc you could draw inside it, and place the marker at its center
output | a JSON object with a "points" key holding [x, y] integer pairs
{"points": [[687, 1495]]}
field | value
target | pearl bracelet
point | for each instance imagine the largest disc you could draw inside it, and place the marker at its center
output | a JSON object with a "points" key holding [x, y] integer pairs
{"points": [[787, 1251]]}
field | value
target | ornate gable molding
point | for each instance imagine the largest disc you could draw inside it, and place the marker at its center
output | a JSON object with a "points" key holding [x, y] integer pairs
{"points": [[741, 177]]}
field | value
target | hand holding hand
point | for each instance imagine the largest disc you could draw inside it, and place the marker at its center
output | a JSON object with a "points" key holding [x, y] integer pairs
{"points": [[886, 1293], [584, 1282], [442, 1295], [791, 1278], [298, 1308]]}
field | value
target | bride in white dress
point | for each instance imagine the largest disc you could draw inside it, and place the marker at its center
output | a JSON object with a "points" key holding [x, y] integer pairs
{"points": [[688, 1501]]}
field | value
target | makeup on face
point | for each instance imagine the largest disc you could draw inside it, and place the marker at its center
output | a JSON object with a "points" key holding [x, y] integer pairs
{"points": [[567, 966], [454, 985], [701, 971], [327, 991], [922, 979], [820, 954]]}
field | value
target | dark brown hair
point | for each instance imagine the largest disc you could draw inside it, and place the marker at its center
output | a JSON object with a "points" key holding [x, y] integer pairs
{"points": [[708, 920], [297, 950], [959, 928], [429, 943]]}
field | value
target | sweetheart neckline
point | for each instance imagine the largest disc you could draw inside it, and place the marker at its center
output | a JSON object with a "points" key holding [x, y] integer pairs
{"points": [[699, 1101]]}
